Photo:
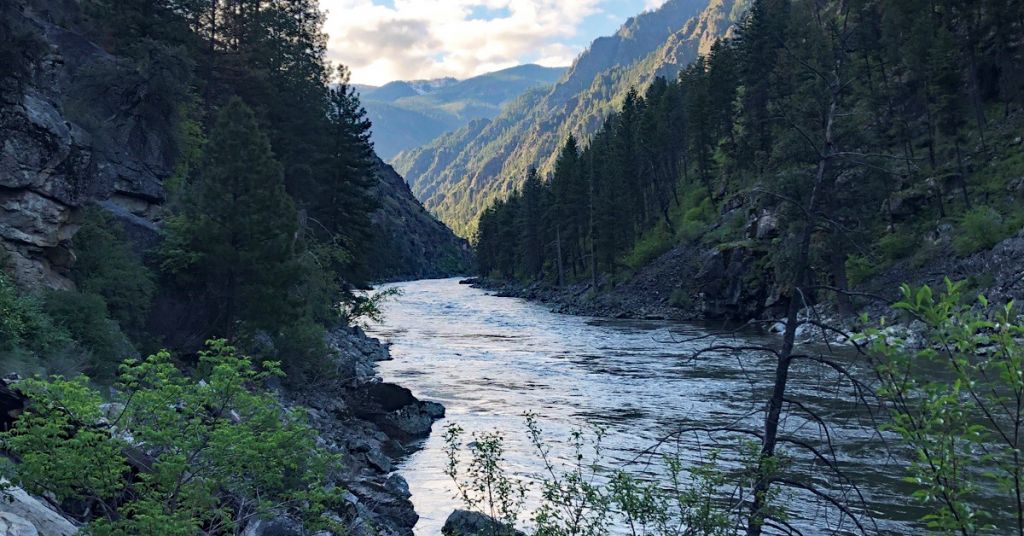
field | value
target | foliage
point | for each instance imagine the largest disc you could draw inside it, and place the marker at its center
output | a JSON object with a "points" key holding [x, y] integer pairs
{"points": [[979, 229], [368, 307], [84, 317], [898, 245], [652, 245], [956, 400], [23, 323], [486, 486], [234, 239], [911, 130], [582, 497], [216, 451], [106, 266]]}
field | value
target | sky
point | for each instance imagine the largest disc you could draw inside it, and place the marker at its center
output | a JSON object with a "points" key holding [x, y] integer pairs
{"points": [[385, 40]]}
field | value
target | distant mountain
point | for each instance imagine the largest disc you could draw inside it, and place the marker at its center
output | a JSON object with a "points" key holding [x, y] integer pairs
{"points": [[461, 173], [408, 114]]}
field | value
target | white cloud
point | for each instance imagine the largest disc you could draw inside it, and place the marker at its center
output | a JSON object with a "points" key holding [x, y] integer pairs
{"points": [[412, 39]]}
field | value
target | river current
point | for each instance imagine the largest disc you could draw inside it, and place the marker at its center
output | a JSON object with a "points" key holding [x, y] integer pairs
{"points": [[489, 359]]}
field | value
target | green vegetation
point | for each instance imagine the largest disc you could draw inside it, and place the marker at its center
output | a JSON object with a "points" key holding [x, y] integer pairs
{"points": [[918, 140], [170, 455], [23, 324], [956, 400], [461, 173], [234, 239], [105, 266], [585, 497], [268, 218], [982, 228]]}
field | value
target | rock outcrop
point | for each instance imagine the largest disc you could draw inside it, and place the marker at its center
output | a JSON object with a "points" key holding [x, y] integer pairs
{"points": [[371, 424], [79, 125], [73, 132], [24, 515]]}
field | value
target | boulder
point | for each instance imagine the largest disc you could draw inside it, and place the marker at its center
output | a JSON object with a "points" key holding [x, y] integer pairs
{"points": [[13, 525], [466, 523], [281, 526], [23, 515]]}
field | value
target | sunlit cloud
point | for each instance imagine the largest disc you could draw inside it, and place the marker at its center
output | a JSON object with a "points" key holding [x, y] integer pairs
{"points": [[384, 40]]}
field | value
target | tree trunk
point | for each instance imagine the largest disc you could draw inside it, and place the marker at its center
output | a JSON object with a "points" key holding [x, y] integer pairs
{"points": [[821, 190], [558, 254]]}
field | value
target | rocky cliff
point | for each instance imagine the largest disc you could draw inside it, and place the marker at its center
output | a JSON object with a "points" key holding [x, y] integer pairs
{"points": [[68, 139], [79, 126]]}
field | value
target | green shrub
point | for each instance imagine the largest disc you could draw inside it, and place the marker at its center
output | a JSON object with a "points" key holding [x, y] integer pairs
{"points": [[23, 324], [898, 245], [860, 268], [651, 245], [980, 229], [222, 453], [585, 495], [680, 299], [107, 267], [953, 388], [84, 317]]}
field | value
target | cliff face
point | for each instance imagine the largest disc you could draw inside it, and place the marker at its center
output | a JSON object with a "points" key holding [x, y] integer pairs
{"points": [[414, 243], [67, 140], [80, 126]]}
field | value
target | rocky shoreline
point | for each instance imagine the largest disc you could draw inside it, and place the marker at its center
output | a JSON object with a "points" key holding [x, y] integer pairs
{"points": [[692, 284], [370, 423]]}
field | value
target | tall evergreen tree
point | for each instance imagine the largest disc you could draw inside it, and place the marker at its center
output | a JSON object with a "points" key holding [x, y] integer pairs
{"points": [[235, 239]]}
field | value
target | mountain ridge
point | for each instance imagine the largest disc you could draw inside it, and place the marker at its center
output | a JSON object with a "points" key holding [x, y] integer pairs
{"points": [[408, 114], [460, 173]]}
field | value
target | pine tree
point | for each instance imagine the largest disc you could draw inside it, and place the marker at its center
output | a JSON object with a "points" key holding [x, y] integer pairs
{"points": [[530, 224], [235, 239], [340, 198]]}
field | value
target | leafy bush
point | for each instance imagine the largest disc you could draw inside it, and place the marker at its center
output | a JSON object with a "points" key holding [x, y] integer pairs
{"points": [[980, 229], [584, 498], [107, 267], [84, 317], [23, 324], [860, 268], [954, 391], [218, 453], [898, 245], [650, 246], [361, 308]]}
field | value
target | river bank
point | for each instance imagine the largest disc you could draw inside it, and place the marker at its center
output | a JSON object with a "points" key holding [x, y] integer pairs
{"points": [[371, 424], [690, 283]]}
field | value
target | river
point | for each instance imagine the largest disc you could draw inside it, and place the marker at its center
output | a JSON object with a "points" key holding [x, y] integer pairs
{"points": [[489, 359]]}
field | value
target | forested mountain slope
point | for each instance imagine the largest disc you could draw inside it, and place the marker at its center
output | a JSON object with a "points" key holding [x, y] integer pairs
{"points": [[82, 125], [827, 147], [406, 115], [460, 173], [190, 207]]}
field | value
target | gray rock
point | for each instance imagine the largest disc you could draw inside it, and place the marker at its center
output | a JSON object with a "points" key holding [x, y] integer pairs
{"points": [[465, 523], [397, 485], [19, 508], [378, 460], [13, 525], [281, 526]]}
